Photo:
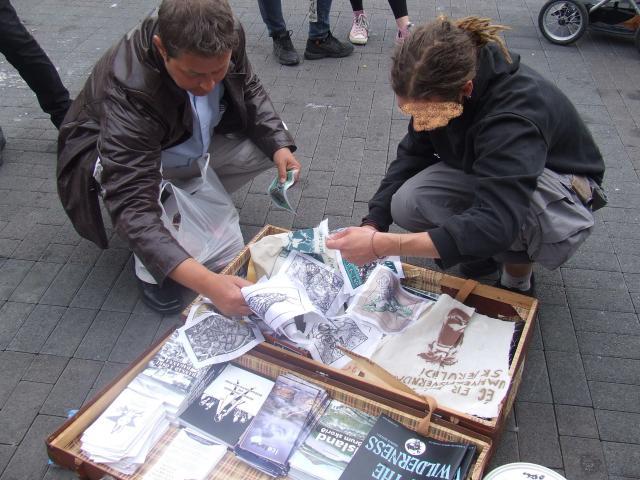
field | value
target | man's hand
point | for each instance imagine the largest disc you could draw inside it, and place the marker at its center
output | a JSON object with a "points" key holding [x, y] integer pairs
{"points": [[226, 295], [284, 161], [354, 244]]}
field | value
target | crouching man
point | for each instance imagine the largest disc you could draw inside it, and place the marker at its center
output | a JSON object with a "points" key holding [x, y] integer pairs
{"points": [[174, 89]]}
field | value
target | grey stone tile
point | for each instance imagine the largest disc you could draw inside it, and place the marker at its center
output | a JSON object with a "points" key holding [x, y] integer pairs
{"points": [[20, 409], [610, 369], [255, 209], [55, 472], [615, 396], [110, 370], [310, 212], [36, 243], [36, 328], [609, 344], [14, 365], [587, 261], [136, 336], [567, 377], [557, 328], [124, 293], [577, 278], [367, 186], [611, 300], [57, 253], [69, 332], [346, 173], [72, 387], [537, 434], [506, 451], [35, 282], [605, 322], [340, 201], [317, 184], [66, 284], [630, 263], [576, 421], [622, 459], [6, 451], [95, 287], [12, 273], [113, 257], [633, 281], [12, 316], [30, 459], [535, 386], [618, 426], [583, 458], [102, 335], [85, 253], [551, 294], [45, 368], [8, 246]]}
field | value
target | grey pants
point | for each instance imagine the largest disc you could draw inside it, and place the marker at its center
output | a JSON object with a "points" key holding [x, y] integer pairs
{"points": [[556, 225]]}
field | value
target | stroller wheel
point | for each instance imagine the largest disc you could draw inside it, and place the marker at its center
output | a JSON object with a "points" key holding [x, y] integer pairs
{"points": [[563, 21]]}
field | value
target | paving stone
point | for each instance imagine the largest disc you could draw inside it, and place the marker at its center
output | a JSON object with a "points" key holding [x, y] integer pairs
{"points": [[583, 458], [537, 434], [135, 338], [622, 459], [72, 387], [340, 201], [614, 396], [317, 184], [618, 426], [66, 284], [110, 370], [610, 369], [45, 368], [551, 295], [20, 409], [57, 253], [576, 421], [8, 246], [6, 451], [58, 473], [35, 282], [36, 328], [69, 332], [96, 287], [577, 278], [124, 293], [346, 173], [605, 322], [609, 344], [113, 257], [567, 377], [255, 209], [102, 335], [506, 451], [310, 212], [633, 281], [611, 300], [12, 273], [535, 386], [587, 261], [30, 459], [85, 253], [557, 328], [12, 316], [36, 243]]}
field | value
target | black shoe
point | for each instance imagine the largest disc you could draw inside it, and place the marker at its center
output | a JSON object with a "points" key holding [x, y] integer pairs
{"points": [[478, 268], [283, 48], [529, 293], [163, 299], [328, 46], [3, 142]]}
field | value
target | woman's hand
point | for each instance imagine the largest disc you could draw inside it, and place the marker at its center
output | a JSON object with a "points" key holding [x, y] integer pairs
{"points": [[355, 244]]}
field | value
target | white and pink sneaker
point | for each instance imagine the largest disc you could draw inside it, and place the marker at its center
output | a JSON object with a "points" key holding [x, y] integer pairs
{"points": [[359, 33]]}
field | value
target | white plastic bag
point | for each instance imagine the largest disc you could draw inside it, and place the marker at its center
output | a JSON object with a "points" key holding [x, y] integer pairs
{"points": [[201, 216]]}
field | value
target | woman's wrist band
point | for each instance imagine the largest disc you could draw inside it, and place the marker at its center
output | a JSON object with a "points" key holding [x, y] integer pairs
{"points": [[373, 250]]}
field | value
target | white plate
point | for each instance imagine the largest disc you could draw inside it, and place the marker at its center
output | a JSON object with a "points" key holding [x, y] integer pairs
{"points": [[523, 471]]}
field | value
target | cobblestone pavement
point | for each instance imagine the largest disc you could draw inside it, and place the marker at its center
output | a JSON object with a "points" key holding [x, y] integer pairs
{"points": [[70, 316]]}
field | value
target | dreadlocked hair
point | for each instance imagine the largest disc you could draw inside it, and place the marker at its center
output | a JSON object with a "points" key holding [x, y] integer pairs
{"points": [[438, 58]]}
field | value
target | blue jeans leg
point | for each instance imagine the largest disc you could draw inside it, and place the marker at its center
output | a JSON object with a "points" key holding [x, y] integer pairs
{"points": [[320, 29], [271, 12]]}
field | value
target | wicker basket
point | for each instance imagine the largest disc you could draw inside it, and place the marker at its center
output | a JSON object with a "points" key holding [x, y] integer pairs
{"points": [[63, 446], [491, 301]]}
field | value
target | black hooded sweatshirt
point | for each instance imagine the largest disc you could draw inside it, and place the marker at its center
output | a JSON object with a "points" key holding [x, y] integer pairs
{"points": [[515, 124]]}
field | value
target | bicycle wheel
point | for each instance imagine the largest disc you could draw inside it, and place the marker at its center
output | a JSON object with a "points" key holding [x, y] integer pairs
{"points": [[563, 21]]}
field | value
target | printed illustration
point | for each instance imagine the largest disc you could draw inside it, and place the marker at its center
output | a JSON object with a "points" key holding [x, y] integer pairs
{"points": [[260, 303], [327, 336], [124, 417], [443, 351]]}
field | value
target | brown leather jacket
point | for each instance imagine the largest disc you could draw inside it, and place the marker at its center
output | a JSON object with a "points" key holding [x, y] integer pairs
{"points": [[128, 111]]}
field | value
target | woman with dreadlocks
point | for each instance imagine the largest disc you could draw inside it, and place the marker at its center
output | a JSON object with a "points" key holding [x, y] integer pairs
{"points": [[497, 165]]}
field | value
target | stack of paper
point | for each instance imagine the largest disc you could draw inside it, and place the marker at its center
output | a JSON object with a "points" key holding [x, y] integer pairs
{"points": [[172, 377], [292, 408], [125, 432]]}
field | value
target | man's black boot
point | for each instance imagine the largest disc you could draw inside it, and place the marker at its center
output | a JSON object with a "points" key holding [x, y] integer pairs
{"points": [[3, 142], [283, 48], [328, 46], [163, 299]]}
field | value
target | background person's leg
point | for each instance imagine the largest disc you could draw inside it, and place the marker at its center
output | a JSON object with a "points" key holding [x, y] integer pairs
{"points": [[23, 52], [271, 12]]}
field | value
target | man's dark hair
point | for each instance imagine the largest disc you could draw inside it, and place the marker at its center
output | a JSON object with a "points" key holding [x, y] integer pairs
{"points": [[201, 27]]}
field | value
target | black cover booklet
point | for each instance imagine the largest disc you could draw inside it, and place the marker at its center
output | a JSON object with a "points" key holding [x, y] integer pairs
{"points": [[391, 451]]}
